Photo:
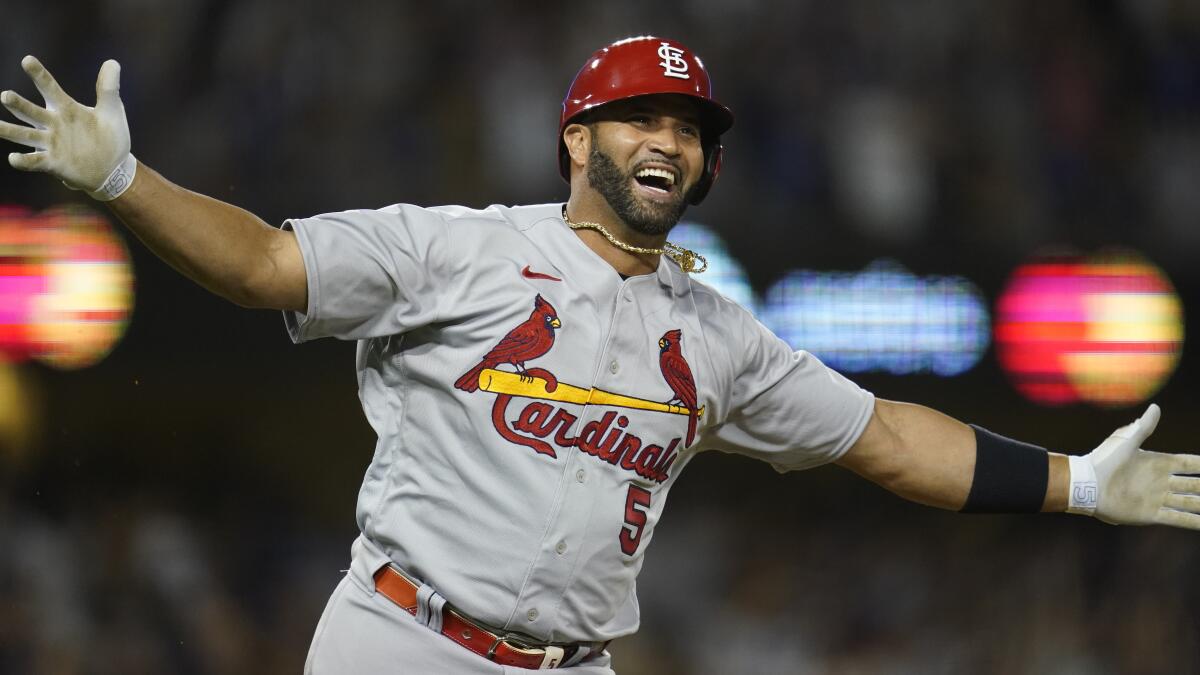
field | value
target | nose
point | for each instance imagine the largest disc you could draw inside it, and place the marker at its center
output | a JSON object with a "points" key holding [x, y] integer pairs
{"points": [[663, 141]]}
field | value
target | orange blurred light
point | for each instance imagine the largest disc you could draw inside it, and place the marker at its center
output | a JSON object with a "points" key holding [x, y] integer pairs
{"points": [[66, 287], [1106, 329]]}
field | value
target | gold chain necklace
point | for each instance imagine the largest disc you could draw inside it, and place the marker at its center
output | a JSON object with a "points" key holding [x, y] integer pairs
{"points": [[685, 258]]}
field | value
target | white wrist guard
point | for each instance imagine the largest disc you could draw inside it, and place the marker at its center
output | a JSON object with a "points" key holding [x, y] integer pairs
{"points": [[118, 181], [1085, 490]]}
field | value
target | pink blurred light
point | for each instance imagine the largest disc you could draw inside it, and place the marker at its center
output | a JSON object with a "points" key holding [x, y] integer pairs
{"points": [[66, 288], [1106, 330]]}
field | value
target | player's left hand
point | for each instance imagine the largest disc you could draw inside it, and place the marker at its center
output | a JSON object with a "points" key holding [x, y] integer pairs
{"points": [[1135, 486]]}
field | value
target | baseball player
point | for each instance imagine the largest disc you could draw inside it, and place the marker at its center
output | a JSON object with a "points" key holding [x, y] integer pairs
{"points": [[539, 376]]}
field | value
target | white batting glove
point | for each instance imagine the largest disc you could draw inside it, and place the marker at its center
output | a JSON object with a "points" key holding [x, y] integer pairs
{"points": [[86, 148], [1122, 484]]}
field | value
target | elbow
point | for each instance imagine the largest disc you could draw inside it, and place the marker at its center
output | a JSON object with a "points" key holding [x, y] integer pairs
{"points": [[878, 455], [253, 297], [265, 290], [242, 292], [250, 291], [244, 301], [275, 277], [897, 453]]}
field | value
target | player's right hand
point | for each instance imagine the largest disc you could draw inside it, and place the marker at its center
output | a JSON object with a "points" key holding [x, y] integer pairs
{"points": [[86, 148]]}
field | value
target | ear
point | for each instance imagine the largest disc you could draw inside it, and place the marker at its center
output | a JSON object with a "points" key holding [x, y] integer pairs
{"points": [[578, 139]]}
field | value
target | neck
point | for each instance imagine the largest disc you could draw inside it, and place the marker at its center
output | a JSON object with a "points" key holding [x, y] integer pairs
{"points": [[582, 210]]}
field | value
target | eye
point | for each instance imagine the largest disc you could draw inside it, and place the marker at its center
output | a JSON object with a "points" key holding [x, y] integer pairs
{"points": [[638, 119]]}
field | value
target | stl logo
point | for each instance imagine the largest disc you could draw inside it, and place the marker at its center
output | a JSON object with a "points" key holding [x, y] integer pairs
{"points": [[673, 63]]}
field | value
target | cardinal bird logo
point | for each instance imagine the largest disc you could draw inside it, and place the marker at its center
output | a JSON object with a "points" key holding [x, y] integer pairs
{"points": [[533, 338], [678, 375]]}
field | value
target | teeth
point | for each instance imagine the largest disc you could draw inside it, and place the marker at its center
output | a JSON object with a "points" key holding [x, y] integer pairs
{"points": [[661, 173]]}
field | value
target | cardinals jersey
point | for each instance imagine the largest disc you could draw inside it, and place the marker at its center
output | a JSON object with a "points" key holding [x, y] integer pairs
{"points": [[533, 408]]}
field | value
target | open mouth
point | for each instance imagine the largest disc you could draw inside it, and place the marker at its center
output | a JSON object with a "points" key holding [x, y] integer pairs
{"points": [[656, 181]]}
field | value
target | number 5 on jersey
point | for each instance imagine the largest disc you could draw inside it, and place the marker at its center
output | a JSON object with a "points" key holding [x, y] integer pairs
{"points": [[636, 503]]}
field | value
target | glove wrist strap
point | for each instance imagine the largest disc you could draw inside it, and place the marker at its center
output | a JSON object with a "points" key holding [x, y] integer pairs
{"points": [[118, 181], [1085, 490]]}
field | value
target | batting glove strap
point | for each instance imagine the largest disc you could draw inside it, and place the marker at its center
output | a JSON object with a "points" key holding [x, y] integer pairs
{"points": [[117, 182], [1085, 489]]}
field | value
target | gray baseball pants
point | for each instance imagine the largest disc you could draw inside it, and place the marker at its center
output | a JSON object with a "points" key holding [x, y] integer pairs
{"points": [[362, 631]]}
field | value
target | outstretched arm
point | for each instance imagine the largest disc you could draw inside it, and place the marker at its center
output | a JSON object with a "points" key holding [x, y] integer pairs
{"points": [[226, 249], [928, 457]]}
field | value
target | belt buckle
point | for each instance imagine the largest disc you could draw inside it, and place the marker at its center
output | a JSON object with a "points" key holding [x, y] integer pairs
{"points": [[552, 656], [491, 652]]}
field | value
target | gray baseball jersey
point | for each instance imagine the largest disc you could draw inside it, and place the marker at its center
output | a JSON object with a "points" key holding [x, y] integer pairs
{"points": [[533, 408]]}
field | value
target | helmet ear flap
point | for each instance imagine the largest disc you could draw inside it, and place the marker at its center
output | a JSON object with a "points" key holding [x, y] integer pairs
{"points": [[712, 167]]}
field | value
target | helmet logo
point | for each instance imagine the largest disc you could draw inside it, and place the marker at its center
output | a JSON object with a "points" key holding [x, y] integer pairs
{"points": [[673, 63]]}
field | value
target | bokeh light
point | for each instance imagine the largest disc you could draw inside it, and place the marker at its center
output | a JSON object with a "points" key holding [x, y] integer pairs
{"points": [[20, 415], [883, 318], [22, 281], [1105, 329], [66, 287], [724, 272]]}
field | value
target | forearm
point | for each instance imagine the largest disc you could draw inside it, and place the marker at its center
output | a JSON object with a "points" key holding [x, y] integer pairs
{"points": [[225, 249], [928, 457]]}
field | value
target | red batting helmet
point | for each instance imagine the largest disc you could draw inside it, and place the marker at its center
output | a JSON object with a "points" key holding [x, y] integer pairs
{"points": [[641, 66]]}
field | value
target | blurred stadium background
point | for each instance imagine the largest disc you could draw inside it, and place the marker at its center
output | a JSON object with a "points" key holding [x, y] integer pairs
{"points": [[992, 208]]}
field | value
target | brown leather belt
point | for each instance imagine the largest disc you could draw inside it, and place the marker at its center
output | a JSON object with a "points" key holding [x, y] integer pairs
{"points": [[503, 649]]}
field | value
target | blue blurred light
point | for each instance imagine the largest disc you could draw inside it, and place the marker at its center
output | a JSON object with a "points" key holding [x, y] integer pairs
{"points": [[881, 319], [724, 273]]}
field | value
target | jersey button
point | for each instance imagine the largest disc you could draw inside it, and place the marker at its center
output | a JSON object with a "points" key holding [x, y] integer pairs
{"points": [[613, 367], [580, 475], [561, 548], [532, 614]]}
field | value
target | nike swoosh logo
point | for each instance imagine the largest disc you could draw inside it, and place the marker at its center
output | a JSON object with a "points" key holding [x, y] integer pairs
{"points": [[530, 274]]}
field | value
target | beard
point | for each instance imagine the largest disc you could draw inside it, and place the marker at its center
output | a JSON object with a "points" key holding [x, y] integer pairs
{"points": [[614, 185]]}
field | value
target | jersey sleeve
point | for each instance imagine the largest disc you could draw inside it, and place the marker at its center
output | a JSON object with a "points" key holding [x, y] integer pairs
{"points": [[788, 408], [370, 273]]}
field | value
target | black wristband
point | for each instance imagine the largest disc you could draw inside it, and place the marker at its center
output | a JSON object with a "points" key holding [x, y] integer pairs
{"points": [[1010, 476]]}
